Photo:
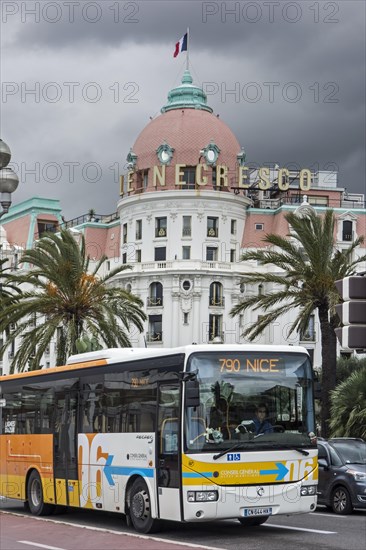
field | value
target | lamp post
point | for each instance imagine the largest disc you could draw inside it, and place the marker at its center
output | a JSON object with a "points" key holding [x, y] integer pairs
{"points": [[8, 179]]}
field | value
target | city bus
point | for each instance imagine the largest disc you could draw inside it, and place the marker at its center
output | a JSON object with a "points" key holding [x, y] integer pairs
{"points": [[164, 434]]}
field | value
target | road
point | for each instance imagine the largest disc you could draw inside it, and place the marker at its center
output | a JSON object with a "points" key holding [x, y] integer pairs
{"points": [[79, 530]]}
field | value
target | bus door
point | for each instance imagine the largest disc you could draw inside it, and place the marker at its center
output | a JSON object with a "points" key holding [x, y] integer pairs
{"points": [[65, 447], [169, 451]]}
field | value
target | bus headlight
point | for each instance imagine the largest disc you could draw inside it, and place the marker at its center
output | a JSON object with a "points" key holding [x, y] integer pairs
{"points": [[202, 496], [308, 490]]}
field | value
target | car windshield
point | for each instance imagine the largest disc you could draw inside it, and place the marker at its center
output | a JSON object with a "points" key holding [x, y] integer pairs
{"points": [[250, 400], [351, 452]]}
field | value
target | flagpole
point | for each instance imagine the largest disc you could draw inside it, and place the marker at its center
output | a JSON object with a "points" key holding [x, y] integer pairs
{"points": [[187, 58]]}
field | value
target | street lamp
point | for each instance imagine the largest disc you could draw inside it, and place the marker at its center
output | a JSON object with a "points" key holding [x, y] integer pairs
{"points": [[8, 178]]}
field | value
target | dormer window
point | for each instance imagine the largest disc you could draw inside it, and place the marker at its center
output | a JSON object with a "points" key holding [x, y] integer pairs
{"points": [[210, 153], [165, 153]]}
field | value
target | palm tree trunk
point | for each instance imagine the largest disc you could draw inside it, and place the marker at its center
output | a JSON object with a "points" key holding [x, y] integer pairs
{"points": [[329, 362]]}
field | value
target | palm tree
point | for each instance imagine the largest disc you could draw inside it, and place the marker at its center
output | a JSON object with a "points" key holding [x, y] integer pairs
{"points": [[348, 406], [8, 291], [308, 264], [72, 302]]}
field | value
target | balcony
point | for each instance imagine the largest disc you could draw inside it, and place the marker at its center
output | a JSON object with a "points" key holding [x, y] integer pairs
{"points": [[160, 232], [347, 237], [218, 338], [191, 265], [307, 337], [154, 301], [186, 232], [154, 337], [217, 302]]}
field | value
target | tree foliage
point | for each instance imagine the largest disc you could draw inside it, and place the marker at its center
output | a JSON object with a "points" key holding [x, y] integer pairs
{"points": [[347, 366], [70, 299], [348, 406], [307, 264]]}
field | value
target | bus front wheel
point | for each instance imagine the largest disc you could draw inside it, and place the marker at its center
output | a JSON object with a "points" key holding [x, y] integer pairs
{"points": [[36, 504], [252, 522], [140, 508]]}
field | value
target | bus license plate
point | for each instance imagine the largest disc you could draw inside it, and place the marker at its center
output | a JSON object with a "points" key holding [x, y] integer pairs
{"points": [[249, 512]]}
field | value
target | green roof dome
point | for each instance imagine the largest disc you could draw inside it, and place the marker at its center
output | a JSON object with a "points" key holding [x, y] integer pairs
{"points": [[186, 96]]}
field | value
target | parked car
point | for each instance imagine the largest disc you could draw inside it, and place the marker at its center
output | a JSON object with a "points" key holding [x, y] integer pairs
{"points": [[342, 474]]}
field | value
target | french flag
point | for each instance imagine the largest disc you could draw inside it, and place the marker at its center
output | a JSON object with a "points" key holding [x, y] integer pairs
{"points": [[181, 46]]}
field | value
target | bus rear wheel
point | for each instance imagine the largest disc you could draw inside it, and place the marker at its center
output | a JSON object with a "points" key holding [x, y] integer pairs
{"points": [[36, 504], [140, 508], [252, 522]]}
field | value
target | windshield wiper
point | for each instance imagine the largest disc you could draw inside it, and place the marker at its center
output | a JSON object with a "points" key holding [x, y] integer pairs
{"points": [[292, 447]]}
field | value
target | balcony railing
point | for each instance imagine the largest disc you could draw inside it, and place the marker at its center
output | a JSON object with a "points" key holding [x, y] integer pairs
{"points": [[187, 264], [218, 337], [307, 337], [160, 232], [186, 232], [217, 302], [347, 236], [154, 302], [212, 232], [154, 336]]}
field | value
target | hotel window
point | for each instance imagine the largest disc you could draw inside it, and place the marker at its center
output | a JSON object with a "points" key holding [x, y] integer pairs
{"points": [[216, 295], [347, 232], [138, 256], [309, 333], [46, 227], [155, 333], [233, 227], [124, 258], [214, 177], [160, 227], [138, 230], [212, 227], [124, 233], [215, 327], [142, 179], [155, 297], [146, 178], [211, 254], [160, 254], [187, 226], [259, 226], [185, 318], [186, 252], [189, 177], [232, 255]]}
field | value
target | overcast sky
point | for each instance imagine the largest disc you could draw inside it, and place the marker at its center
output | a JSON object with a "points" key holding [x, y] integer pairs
{"points": [[99, 70]]}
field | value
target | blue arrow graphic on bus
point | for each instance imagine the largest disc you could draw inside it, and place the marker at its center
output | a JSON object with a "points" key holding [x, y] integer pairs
{"points": [[280, 471], [110, 470]]}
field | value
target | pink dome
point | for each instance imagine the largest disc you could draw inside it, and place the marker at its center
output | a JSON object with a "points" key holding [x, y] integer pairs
{"points": [[187, 131]]}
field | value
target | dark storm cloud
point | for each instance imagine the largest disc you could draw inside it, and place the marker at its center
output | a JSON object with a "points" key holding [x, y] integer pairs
{"points": [[320, 56]]}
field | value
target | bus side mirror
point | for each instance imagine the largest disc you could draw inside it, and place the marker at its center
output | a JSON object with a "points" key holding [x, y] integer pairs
{"points": [[192, 393]]}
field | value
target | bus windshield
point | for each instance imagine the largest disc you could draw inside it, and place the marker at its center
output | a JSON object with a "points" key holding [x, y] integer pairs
{"points": [[250, 400]]}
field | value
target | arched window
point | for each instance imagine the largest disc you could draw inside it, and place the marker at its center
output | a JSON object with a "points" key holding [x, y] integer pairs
{"points": [[155, 295], [260, 289], [216, 295]]}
